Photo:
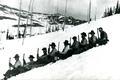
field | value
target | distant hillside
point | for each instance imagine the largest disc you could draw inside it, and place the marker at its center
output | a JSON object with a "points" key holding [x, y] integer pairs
{"points": [[53, 18]]}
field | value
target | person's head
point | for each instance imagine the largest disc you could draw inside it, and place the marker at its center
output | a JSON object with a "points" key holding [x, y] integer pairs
{"points": [[74, 38], [44, 50], [31, 57], [16, 57], [100, 29], [92, 33], [66, 42], [53, 45], [83, 35]]}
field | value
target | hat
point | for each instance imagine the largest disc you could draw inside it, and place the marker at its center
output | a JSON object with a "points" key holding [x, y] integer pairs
{"points": [[44, 48], [83, 34], [100, 28], [16, 56], [52, 44], [74, 37], [66, 42], [92, 32], [31, 56]]}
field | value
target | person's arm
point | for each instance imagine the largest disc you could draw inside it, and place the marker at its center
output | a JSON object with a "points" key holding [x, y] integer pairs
{"points": [[105, 35], [11, 65]]}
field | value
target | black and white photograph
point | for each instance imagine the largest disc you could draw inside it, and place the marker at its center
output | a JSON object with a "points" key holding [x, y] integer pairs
{"points": [[59, 40]]}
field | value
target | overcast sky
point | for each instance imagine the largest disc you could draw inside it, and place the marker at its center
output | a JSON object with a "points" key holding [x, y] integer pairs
{"points": [[75, 8]]}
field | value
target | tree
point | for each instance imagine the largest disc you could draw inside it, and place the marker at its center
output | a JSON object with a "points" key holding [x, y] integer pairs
{"points": [[117, 8]]}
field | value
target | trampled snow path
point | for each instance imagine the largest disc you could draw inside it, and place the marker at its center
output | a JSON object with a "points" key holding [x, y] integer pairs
{"points": [[100, 63]]}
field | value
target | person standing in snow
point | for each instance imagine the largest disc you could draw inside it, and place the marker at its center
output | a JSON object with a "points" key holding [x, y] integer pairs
{"points": [[75, 46], [103, 37], [16, 68], [83, 43], [92, 39]]}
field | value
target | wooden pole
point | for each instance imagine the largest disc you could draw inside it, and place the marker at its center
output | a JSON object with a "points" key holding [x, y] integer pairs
{"points": [[48, 49], [78, 38], [9, 63], [70, 41], [19, 17], [37, 53], [89, 12], [27, 21], [57, 6], [31, 18], [58, 46], [98, 33], [95, 13], [65, 15], [24, 62]]}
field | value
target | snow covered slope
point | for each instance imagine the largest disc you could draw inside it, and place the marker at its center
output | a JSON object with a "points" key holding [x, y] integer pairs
{"points": [[100, 63]]}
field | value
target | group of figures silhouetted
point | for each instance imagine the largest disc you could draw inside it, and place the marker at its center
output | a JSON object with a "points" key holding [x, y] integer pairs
{"points": [[53, 55]]}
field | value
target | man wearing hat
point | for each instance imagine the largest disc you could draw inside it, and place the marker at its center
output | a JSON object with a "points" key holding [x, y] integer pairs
{"points": [[30, 64], [64, 54], [31, 57], [17, 63], [83, 43], [44, 51], [92, 39], [16, 68], [75, 46], [44, 58], [53, 52], [66, 47], [103, 37]]}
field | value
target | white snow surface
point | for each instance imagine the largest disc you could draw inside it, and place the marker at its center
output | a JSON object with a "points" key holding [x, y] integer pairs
{"points": [[99, 63]]}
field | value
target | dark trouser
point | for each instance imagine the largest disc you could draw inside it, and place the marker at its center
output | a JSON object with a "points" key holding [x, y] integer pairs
{"points": [[15, 72], [84, 48], [102, 42], [64, 56], [10, 73], [91, 45], [44, 60]]}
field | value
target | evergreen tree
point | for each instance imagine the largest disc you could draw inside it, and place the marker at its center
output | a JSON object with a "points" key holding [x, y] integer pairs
{"points": [[110, 12], [104, 13], [117, 8]]}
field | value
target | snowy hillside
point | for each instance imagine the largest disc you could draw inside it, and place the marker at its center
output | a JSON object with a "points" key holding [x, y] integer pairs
{"points": [[100, 63]]}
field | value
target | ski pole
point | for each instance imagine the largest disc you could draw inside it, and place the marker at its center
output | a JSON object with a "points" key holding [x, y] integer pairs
{"points": [[9, 63], [78, 38], [24, 62], [88, 37], [58, 45], [70, 41], [49, 49], [37, 53], [98, 33]]}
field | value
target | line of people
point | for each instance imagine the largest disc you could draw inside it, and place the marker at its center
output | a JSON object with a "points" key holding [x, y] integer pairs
{"points": [[53, 55]]}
